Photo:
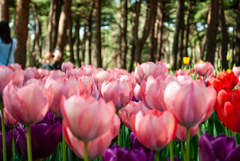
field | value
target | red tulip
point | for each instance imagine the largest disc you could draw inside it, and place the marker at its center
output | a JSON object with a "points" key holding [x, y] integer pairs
{"points": [[96, 147], [66, 66], [181, 133], [227, 108], [120, 92], [156, 129], [143, 71], [224, 80], [86, 117], [61, 87], [204, 68], [131, 109], [29, 104], [192, 102]]}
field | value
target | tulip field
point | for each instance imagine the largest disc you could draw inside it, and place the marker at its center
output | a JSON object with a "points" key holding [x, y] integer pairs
{"points": [[151, 114]]}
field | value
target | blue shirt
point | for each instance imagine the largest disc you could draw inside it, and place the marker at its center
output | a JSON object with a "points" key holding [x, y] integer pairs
{"points": [[4, 52]]}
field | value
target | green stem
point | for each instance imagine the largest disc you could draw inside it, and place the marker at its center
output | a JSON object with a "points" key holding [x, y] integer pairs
{"points": [[63, 149], [3, 134], [171, 150], [199, 131], [13, 143], [86, 151], [70, 154], [184, 150], [100, 158], [188, 144], [157, 156], [123, 135], [29, 146], [119, 134]]}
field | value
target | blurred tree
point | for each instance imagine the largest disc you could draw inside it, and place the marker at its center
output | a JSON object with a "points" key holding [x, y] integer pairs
{"points": [[98, 33], [4, 10]]}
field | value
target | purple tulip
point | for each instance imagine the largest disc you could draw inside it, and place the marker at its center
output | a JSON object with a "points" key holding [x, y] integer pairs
{"points": [[135, 144], [221, 148], [44, 139], [8, 145], [116, 153], [174, 158]]}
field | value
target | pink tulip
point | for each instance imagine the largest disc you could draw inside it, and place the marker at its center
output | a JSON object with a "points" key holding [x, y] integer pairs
{"points": [[236, 71], [28, 74], [204, 68], [120, 92], [89, 69], [181, 133], [9, 120], [192, 102], [137, 92], [29, 104], [102, 76], [86, 117], [131, 109], [61, 87], [115, 127], [15, 66], [6, 75], [143, 71], [152, 91], [75, 72], [18, 77], [43, 72], [156, 129], [96, 147], [66, 66], [57, 74]]}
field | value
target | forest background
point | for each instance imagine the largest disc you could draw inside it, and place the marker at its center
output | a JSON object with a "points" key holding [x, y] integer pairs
{"points": [[119, 33]]}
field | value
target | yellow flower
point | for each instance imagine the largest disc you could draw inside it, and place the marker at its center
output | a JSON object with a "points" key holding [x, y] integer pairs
{"points": [[229, 70], [201, 61], [186, 60]]}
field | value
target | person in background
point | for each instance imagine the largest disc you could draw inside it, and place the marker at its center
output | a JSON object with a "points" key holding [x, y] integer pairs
{"points": [[47, 61], [57, 57], [7, 44]]}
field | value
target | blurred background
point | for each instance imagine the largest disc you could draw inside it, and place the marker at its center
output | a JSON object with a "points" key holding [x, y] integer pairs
{"points": [[119, 33]]}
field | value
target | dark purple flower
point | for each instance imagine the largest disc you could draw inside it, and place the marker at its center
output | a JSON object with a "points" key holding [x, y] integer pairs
{"points": [[134, 99], [135, 144], [50, 119], [8, 145], [174, 158], [44, 139], [116, 153], [221, 148]]}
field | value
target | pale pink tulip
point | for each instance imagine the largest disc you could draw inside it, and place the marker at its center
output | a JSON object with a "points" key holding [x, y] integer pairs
{"points": [[115, 127], [9, 120], [29, 104], [86, 117], [131, 109], [204, 68], [28, 74], [89, 69], [96, 147], [120, 92], [236, 71], [102, 76], [18, 77], [57, 74], [143, 71], [137, 92], [43, 72], [192, 102], [15, 66], [181, 133], [66, 66], [152, 91], [75, 72], [156, 129], [6, 75], [61, 87]]}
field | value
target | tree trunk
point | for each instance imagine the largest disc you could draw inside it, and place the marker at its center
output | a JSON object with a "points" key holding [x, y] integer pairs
{"points": [[4, 10], [149, 16], [39, 33], [90, 33], [32, 52], [237, 45], [205, 36], [98, 34], [77, 27], [224, 35], [70, 38], [212, 32], [21, 31], [180, 12], [187, 28], [160, 19], [181, 42], [63, 24], [84, 43], [54, 15], [124, 36], [151, 44], [120, 37]]}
